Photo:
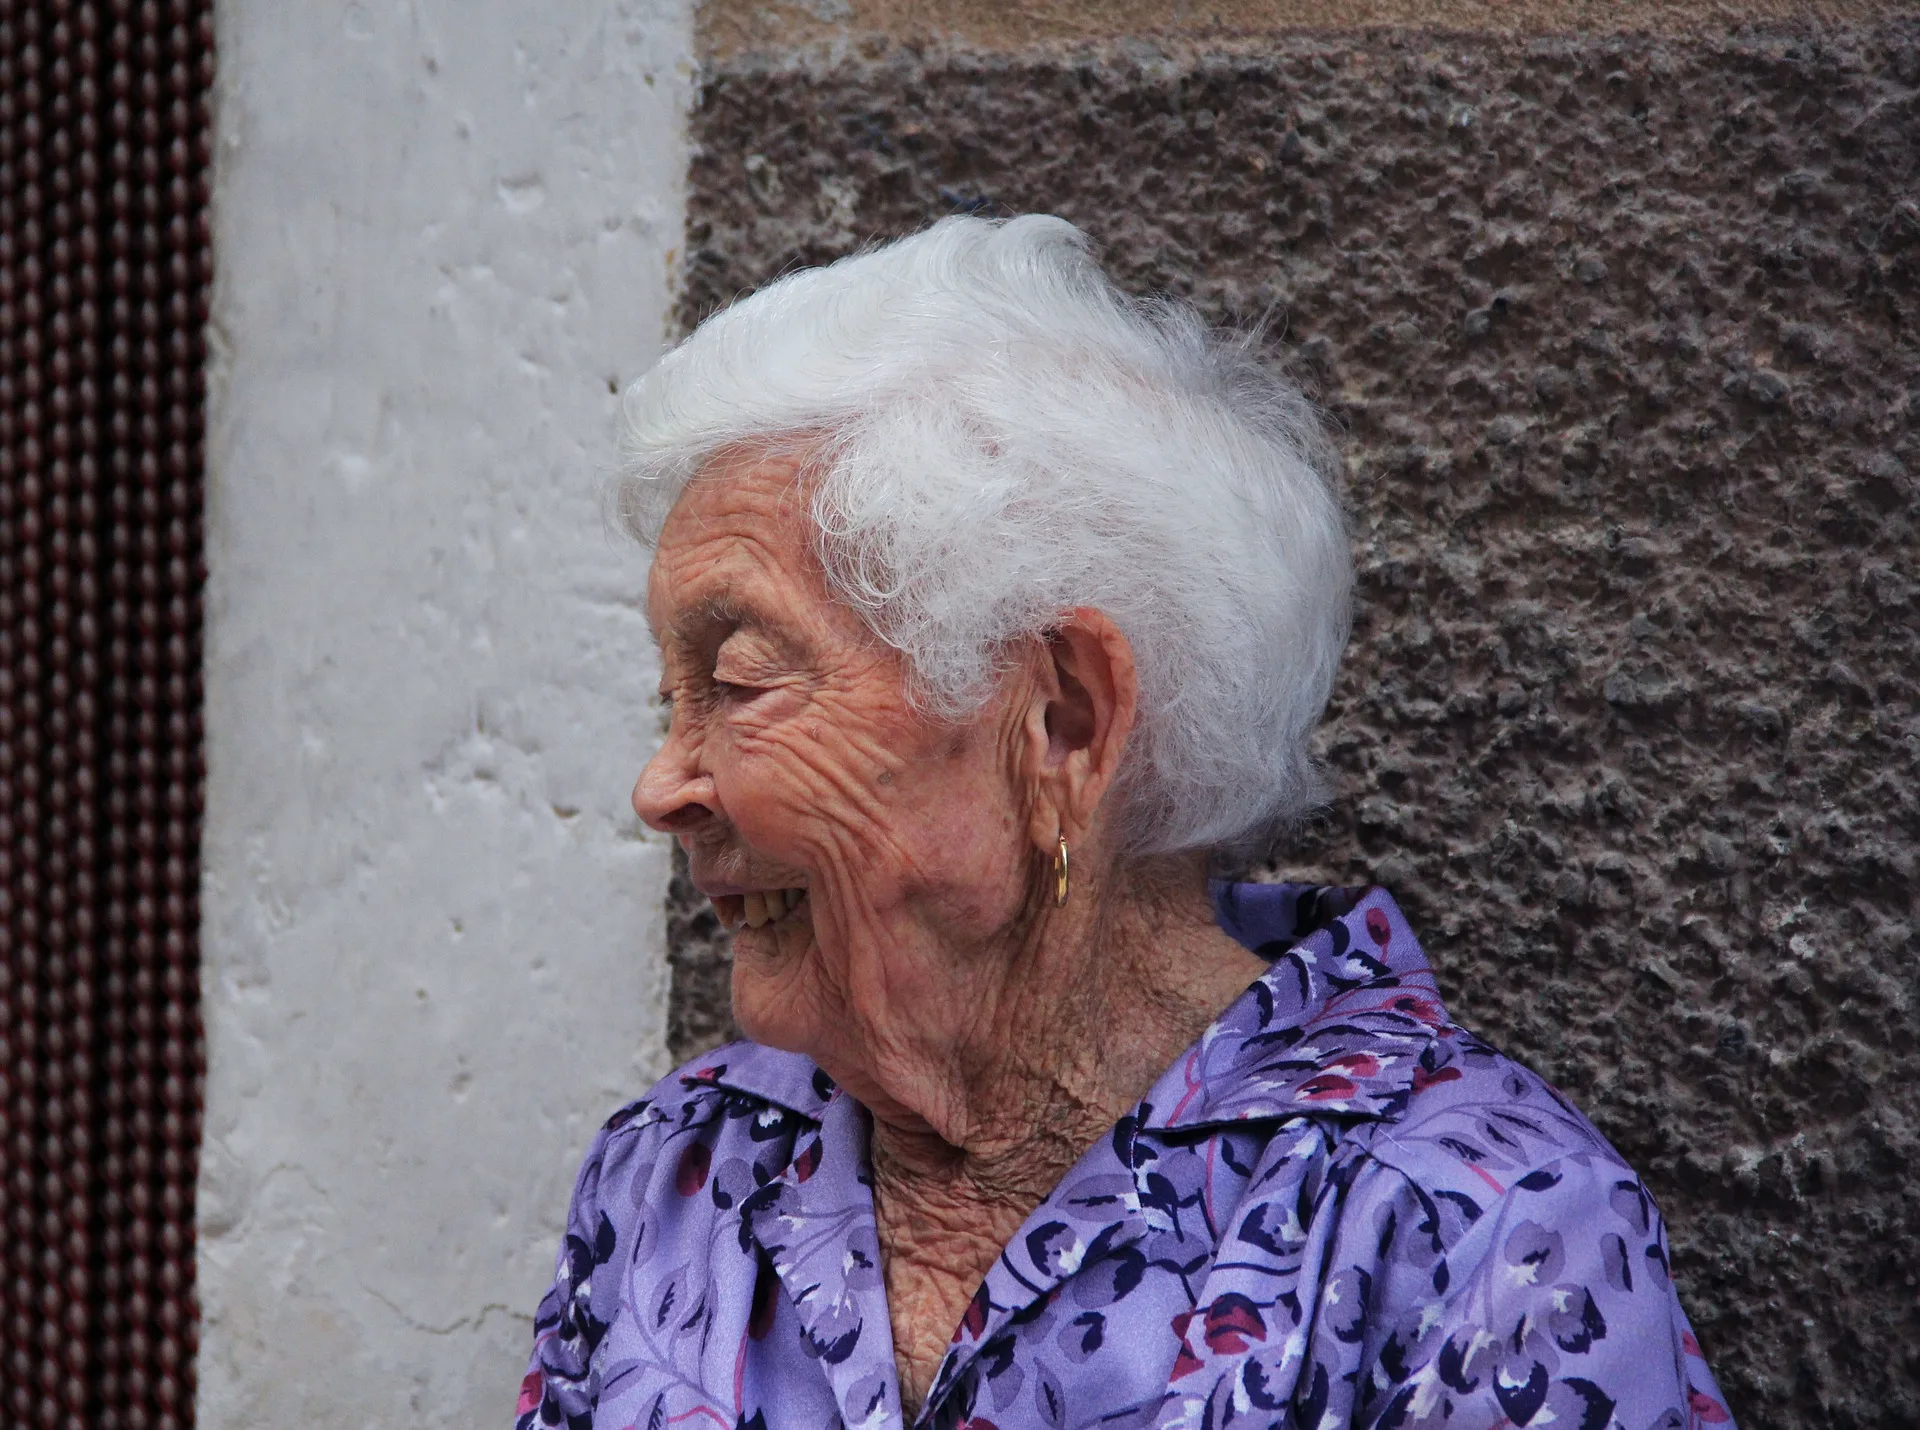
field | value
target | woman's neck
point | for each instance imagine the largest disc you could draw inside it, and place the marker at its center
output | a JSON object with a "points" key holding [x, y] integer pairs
{"points": [[1089, 1007]]}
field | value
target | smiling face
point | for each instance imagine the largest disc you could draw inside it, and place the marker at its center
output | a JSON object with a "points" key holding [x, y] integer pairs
{"points": [[870, 860]]}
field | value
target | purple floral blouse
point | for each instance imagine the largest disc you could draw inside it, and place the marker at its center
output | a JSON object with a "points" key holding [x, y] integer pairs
{"points": [[1336, 1209]]}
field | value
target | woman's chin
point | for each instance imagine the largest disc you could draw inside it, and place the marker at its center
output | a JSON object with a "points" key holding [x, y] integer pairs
{"points": [[772, 1020], [771, 1004]]}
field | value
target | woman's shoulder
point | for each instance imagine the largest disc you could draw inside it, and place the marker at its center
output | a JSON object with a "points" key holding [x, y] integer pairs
{"points": [[1492, 1203], [1481, 1139], [1481, 1120]]}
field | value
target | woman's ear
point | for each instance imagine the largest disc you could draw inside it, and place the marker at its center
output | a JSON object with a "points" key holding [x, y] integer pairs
{"points": [[1088, 696]]}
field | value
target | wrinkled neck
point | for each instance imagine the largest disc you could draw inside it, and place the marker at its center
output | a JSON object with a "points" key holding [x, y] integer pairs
{"points": [[1085, 1008]]}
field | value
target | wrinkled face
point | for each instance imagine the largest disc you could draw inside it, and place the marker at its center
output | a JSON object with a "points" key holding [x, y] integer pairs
{"points": [[862, 852]]}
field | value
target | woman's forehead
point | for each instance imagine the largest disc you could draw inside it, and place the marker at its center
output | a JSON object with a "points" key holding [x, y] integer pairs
{"points": [[734, 550], [718, 585]]}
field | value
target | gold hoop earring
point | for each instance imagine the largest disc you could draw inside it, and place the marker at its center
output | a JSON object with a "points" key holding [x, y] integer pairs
{"points": [[1060, 874]]}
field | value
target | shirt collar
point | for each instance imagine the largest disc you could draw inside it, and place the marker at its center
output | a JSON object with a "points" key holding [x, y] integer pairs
{"points": [[1334, 1028], [789, 1080]]}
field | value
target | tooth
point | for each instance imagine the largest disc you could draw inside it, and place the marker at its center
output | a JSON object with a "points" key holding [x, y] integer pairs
{"points": [[793, 897], [756, 907]]}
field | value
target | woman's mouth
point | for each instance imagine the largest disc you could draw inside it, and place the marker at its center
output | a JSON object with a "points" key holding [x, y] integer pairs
{"points": [[758, 909]]}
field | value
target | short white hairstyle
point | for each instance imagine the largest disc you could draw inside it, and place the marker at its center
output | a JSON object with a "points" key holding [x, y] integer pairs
{"points": [[997, 435]]}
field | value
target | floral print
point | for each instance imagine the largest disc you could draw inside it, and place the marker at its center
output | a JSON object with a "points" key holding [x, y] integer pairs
{"points": [[1336, 1209]]}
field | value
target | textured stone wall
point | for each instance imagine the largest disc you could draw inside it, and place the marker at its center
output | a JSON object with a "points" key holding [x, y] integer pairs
{"points": [[730, 30], [1623, 335]]}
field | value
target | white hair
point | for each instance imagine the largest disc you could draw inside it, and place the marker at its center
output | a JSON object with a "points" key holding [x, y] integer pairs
{"points": [[1000, 436]]}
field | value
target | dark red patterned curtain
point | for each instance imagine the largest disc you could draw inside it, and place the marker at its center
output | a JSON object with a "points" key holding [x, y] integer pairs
{"points": [[103, 292]]}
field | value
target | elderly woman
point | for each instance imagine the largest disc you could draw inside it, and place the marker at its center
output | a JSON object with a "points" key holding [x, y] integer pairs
{"points": [[995, 608]]}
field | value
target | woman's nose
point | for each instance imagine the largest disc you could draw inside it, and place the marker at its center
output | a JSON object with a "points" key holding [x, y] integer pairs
{"points": [[672, 794]]}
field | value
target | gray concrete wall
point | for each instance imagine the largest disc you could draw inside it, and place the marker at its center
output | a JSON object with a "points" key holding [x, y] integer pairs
{"points": [[1625, 336], [445, 233]]}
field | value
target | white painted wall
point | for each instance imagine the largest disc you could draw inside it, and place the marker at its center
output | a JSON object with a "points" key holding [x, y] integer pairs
{"points": [[433, 933]]}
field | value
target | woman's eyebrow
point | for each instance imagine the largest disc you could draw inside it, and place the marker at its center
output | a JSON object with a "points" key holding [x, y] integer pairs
{"points": [[709, 621], [699, 621]]}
